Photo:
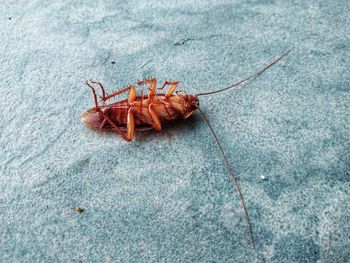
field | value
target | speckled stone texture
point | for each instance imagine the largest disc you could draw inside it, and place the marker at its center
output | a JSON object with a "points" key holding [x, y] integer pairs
{"points": [[167, 197]]}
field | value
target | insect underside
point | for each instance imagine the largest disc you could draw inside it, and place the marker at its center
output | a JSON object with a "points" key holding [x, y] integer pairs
{"points": [[139, 111]]}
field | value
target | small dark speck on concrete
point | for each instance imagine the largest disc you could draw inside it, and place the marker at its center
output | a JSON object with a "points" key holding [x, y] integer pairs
{"points": [[179, 43], [113, 62], [79, 210], [10, 18]]}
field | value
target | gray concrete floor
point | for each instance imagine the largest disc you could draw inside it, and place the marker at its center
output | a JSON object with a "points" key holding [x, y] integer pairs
{"points": [[167, 197]]}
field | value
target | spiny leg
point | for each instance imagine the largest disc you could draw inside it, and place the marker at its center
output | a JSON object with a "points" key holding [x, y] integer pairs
{"points": [[95, 96], [130, 126], [173, 86], [97, 107], [104, 97], [131, 88], [101, 86], [152, 87], [130, 117]]}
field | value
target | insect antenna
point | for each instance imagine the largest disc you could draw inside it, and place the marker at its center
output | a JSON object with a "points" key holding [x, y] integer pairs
{"points": [[246, 79], [234, 178]]}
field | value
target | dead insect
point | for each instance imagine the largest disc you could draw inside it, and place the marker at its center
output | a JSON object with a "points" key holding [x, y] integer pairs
{"points": [[154, 110]]}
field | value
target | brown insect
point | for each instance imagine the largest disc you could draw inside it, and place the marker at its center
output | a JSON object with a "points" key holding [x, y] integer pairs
{"points": [[152, 111]]}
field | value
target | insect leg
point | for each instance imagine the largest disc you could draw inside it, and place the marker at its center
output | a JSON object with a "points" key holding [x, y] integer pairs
{"points": [[102, 88], [102, 124], [173, 86], [104, 97], [130, 117], [132, 94], [94, 93], [156, 122], [130, 134], [130, 124], [152, 87], [121, 91]]}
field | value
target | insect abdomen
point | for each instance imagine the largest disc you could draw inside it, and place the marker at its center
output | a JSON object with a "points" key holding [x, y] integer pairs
{"points": [[167, 110]]}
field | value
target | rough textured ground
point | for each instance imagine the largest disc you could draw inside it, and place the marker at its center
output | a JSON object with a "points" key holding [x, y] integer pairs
{"points": [[166, 197]]}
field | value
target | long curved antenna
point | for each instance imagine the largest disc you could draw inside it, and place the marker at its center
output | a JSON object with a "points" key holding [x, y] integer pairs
{"points": [[234, 178], [246, 79]]}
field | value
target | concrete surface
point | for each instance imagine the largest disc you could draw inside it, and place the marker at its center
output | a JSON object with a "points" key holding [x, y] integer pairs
{"points": [[167, 197]]}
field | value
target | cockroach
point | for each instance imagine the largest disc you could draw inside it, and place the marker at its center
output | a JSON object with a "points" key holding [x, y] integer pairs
{"points": [[154, 110]]}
